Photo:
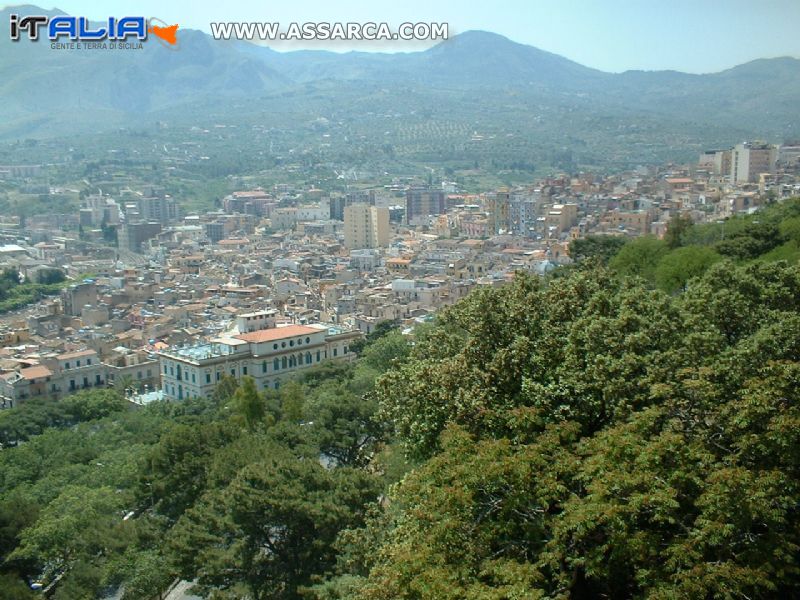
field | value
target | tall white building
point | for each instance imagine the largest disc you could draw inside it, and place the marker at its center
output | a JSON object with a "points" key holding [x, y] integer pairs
{"points": [[366, 226], [751, 159]]}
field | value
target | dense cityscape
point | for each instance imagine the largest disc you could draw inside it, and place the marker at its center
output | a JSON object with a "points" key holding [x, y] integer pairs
{"points": [[173, 286]]}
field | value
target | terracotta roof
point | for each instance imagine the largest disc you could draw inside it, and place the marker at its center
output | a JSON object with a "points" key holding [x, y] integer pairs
{"points": [[276, 333], [36, 372]]}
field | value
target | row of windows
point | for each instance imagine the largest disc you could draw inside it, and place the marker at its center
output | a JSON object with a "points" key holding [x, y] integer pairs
{"points": [[278, 364], [185, 393], [291, 343], [291, 361], [78, 363]]}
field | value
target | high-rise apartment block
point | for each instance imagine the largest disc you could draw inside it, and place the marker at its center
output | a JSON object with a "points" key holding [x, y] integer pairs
{"points": [[366, 226]]}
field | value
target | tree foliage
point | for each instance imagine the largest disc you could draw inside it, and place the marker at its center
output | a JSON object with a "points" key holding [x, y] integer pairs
{"points": [[594, 438]]}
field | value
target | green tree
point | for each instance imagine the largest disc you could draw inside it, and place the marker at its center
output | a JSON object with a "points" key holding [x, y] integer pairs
{"points": [[73, 530], [605, 440], [249, 403], [599, 247], [677, 229], [750, 242], [50, 276], [682, 264], [272, 529], [292, 401], [343, 424], [639, 257]]}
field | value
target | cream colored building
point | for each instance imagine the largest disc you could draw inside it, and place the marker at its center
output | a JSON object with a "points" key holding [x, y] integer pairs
{"points": [[750, 159], [366, 226]]}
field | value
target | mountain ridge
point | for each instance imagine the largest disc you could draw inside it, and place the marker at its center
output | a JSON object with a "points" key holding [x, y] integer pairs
{"points": [[482, 77]]}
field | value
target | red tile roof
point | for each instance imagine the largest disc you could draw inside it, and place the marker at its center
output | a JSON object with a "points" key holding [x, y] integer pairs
{"points": [[276, 333], [37, 372]]}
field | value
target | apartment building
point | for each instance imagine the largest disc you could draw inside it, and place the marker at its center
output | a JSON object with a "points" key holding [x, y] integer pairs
{"points": [[750, 159], [366, 226], [56, 376]]}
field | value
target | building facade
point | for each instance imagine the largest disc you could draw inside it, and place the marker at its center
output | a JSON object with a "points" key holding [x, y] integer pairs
{"points": [[423, 202], [366, 226], [751, 159], [268, 355]]}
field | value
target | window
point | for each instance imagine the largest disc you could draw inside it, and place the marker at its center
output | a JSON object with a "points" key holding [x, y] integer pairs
{"points": [[335, 351], [291, 342], [208, 377], [308, 340], [275, 365], [66, 366], [317, 355], [217, 375], [149, 373], [165, 369], [274, 346], [233, 372], [77, 363], [244, 370], [283, 362], [194, 380], [97, 380], [88, 361], [308, 358], [283, 344], [264, 367]]}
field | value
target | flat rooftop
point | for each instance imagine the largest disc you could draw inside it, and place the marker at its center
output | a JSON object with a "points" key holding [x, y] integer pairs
{"points": [[199, 352]]}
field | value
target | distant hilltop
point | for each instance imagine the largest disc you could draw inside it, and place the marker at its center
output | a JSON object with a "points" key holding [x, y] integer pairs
{"points": [[509, 86]]}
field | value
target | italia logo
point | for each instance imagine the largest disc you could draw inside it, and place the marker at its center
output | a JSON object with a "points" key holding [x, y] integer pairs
{"points": [[80, 29]]}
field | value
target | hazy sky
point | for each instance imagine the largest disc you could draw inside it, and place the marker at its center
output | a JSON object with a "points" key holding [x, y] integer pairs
{"points": [[613, 35]]}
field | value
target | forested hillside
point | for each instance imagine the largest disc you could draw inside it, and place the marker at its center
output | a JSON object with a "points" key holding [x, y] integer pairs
{"points": [[627, 428]]}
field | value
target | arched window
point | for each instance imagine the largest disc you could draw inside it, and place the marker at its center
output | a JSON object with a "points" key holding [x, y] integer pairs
{"points": [[283, 362], [318, 355], [275, 365], [264, 367], [291, 361], [308, 358]]}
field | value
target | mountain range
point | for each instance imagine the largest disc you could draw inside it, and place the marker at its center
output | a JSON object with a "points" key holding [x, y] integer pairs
{"points": [[476, 76]]}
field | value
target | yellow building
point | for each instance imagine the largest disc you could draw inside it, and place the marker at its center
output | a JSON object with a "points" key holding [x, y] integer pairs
{"points": [[366, 226]]}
